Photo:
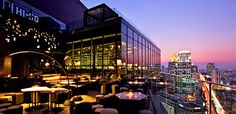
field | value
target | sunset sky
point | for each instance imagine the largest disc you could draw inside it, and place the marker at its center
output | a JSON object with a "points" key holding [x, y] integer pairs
{"points": [[205, 27]]}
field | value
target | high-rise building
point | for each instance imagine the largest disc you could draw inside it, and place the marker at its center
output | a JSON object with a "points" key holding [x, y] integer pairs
{"points": [[210, 68], [182, 67], [194, 68], [172, 66], [184, 56], [215, 75], [213, 72]]}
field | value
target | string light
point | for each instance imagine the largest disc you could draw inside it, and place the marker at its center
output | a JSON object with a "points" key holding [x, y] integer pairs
{"points": [[13, 28]]}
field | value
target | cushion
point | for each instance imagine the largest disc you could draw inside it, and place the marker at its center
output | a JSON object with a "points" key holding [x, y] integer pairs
{"points": [[145, 112], [3, 105], [4, 100], [109, 111], [97, 106], [3, 109], [15, 107], [99, 110]]}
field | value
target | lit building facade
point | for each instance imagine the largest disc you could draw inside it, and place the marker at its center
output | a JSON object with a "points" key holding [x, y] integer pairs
{"points": [[109, 45], [182, 67]]}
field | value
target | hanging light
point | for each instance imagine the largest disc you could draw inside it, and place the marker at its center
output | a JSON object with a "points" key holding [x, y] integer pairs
{"points": [[47, 64], [7, 39]]}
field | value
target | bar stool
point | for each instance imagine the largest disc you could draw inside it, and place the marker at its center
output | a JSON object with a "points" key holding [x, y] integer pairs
{"points": [[114, 88], [103, 89], [98, 97]]}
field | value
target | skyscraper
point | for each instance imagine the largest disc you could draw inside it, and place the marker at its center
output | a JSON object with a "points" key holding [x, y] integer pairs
{"points": [[215, 76], [184, 56], [182, 67], [210, 67]]}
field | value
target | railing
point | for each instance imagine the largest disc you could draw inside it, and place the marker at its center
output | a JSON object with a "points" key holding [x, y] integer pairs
{"points": [[195, 94]]}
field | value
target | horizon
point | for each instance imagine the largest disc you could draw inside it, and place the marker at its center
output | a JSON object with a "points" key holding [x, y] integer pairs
{"points": [[206, 28]]}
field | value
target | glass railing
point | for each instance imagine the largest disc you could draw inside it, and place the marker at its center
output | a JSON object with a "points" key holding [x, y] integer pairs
{"points": [[195, 95]]}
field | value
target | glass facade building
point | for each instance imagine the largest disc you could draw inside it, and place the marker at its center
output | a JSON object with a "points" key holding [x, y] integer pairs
{"points": [[108, 45]]}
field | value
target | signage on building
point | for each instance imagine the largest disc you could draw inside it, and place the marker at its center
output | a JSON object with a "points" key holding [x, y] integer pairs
{"points": [[15, 8]]}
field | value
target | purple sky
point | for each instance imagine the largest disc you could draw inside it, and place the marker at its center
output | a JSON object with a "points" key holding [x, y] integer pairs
{"points": [[205, 27]]}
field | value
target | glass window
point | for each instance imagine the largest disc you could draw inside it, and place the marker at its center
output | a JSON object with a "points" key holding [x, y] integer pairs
{"points": [[151, 60], [147, 57], [98, 56], [140, 39], [118, 54], [109, 54], [144, 41], [135, 36], [143, 56], [135, 53], [130, 50], [85, 54], [140, 55], [124, 49], [155, 58], [123, 28], [130, 33]]}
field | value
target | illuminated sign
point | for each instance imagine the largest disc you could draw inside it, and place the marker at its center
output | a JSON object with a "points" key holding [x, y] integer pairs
{"points": [[17, 9]]}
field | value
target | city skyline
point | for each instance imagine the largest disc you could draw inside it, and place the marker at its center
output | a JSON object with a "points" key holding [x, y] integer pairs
{"points": [[205, 27]]}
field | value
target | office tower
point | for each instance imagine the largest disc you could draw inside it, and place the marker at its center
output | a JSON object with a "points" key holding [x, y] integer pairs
{"points": [[182, 67], [172, 65], [210, 68], [215, 75], [194, 69], [184, 56]]}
